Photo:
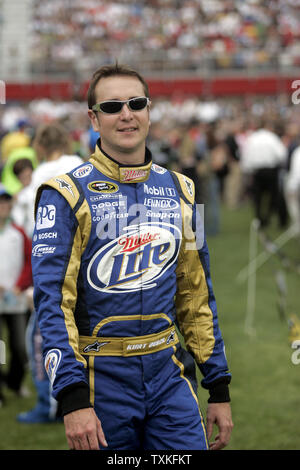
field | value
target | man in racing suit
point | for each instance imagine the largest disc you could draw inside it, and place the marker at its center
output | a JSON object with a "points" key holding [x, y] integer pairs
{"points": [[117, 269]]}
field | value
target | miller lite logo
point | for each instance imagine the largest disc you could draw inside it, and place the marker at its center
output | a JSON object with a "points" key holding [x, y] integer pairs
{"points": [[128, 174], [136, 259]]}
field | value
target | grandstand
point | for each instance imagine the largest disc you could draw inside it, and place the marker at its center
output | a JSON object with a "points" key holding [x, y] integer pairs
{"points": [[199, 47], [203, 60], [163, 35]]}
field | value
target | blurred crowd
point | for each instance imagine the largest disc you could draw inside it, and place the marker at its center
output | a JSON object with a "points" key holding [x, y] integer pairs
{"points": [[165, 35], [206, 139], [238, 151]]}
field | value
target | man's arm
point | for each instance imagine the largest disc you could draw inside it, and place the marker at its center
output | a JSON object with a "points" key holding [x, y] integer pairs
{"points": [[198, 323], [55, 267], [55, 264]]}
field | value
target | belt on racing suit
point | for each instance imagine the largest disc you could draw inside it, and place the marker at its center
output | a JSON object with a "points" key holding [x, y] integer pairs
{"points": [[128, 346]]}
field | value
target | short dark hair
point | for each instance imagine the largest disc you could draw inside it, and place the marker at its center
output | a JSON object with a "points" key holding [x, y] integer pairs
{"points": [[111, 71], [21, 165]]}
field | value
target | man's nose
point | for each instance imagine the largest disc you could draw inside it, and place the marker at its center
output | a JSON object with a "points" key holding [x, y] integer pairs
{"points": [[126, 113]]}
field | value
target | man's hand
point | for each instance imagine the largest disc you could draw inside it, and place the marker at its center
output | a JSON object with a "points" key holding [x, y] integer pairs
{"points": [[84, 430], [219, 414]]}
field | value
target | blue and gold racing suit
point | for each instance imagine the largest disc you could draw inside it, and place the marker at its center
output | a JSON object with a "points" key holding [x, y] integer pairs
{"points": [[121, 275]]}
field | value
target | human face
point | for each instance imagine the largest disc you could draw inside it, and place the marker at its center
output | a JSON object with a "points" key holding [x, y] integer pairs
{"points": [[123, 135], [25, 176], [5, 209]]}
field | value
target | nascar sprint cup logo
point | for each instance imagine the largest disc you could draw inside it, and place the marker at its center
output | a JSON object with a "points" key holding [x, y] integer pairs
{"points": [[136, 259]]}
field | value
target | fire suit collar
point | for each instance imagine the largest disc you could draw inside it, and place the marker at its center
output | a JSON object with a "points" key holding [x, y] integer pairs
{"points": [[122, 173]]}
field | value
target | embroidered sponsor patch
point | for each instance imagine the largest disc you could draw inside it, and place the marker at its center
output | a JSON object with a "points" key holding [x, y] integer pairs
{"points": [[158, 169], [63, 184], [189, 186], [42, 249], [45, 216], [95, 346], [159, 191], [83, 171], [52, 361], [129, 174], [103, 187], [136, 259], [161, 203]]}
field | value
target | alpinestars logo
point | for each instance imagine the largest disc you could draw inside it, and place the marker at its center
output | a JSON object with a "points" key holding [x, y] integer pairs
{"points": [[171, 337], [63, 184], [94, 346], [136, 259]]}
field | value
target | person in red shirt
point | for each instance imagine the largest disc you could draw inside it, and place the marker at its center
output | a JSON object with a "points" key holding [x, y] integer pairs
{"points": [[15, 278]]}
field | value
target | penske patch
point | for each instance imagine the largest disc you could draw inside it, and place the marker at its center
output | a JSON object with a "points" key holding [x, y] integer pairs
{"points": [[52, 361]]}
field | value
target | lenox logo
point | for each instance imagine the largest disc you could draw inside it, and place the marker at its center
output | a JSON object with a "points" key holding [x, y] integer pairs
{"points": [[161, 203]]}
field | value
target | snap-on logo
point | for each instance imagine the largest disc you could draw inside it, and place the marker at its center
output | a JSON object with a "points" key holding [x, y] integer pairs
{"points": [[103, 187], [136, 259]]}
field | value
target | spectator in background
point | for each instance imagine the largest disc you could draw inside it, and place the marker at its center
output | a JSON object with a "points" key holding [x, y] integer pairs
{"points": [[233, 182], [53, 149], [217, 155], [165, 154], [292, 189], [23, 170], [15, 278], [15, 139], [8, 177], [263, 157]]}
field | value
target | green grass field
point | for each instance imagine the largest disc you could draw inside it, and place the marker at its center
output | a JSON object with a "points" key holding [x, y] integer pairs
{"points": [[265, 385]]}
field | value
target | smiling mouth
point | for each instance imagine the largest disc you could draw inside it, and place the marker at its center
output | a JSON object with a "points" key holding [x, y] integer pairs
{"points": [[128, 129]]}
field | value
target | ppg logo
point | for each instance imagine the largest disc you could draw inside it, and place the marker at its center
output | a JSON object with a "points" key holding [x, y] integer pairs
{"points": [[45, 216]]}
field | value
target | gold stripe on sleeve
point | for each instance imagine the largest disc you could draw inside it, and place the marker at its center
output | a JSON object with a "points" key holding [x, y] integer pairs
{"points": [[194, 314]]}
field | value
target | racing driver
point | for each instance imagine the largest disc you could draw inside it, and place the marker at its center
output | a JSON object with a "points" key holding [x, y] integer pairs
{"points": [[123, 292]]}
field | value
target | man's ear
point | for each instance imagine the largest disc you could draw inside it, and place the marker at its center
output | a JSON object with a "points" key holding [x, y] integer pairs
{"points": [[94, 120]]}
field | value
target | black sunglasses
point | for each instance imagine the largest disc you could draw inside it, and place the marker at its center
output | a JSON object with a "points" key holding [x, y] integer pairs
{"points": [[115, 106]]}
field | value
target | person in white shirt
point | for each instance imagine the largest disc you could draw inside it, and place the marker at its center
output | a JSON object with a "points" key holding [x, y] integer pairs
{"points": [[53, 150], [15, 278], [23, 170], [292, 189], [263, 157]]}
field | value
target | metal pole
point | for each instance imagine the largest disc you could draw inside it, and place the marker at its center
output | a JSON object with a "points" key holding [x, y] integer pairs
{"points": [[251, 294]]}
